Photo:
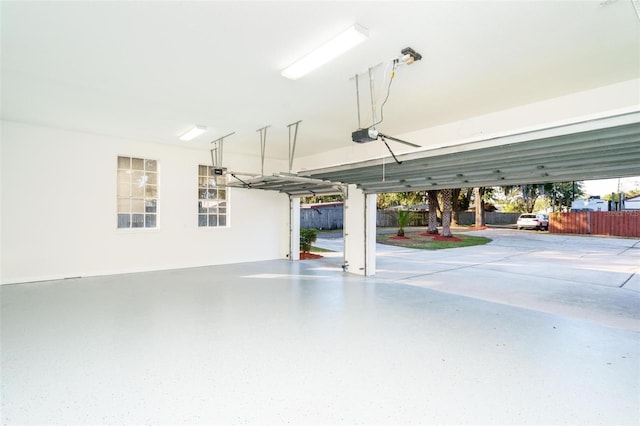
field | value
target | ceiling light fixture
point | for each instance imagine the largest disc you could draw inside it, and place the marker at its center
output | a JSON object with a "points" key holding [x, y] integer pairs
{"points": [[348, 39], [192, 133]]}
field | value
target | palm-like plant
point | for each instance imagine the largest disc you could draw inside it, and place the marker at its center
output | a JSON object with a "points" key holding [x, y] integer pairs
{"points": [[404, 218]]}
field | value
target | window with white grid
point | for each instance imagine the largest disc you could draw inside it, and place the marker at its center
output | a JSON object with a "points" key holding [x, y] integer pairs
{"points": [[137, 193], [213, 198]]}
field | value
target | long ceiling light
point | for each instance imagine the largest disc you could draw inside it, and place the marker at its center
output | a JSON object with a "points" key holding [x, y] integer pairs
{"points": [[348, 39], [192, 133]]}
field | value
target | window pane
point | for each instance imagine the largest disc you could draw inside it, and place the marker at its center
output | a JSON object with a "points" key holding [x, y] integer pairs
{"points": [[222, 220], [213, 220], [222, 180], [150, 220], [222, 194], [137, 164], [201, 208], [124, 220], [204, 194], [222, 210], [137, 191], [137, 221], [202, 171], [151, 191], [202, 181], [150, 165], [124, 162], [124, 205], [124, 176], [137, 205], [211, 182], [124, 190], [138, 178], [150, 206], [152, 178], [202, 220], [212, 171]]}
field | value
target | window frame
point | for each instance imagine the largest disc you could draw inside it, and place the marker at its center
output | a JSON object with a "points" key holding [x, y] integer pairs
{"points": [[142, 197], [209, 212]]}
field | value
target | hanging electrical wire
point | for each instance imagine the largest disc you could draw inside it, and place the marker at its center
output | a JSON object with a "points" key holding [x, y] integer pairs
{"points": [[386, 98]]}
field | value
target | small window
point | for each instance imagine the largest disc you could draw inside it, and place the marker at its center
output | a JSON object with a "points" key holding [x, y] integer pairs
{"points": [[213, 198], [137, 192]]}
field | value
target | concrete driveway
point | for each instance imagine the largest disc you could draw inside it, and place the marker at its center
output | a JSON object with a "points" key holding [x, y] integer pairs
{"points": [[585, 277]]}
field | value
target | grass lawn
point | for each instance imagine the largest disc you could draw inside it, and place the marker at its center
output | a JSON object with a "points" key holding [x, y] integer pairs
{"points": [[416, 241], [315, 249]]}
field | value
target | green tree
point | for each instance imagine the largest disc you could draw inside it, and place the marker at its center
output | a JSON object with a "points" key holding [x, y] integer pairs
{"points": [[562, 194], [404, 218], [391, 199], [312, 199]]}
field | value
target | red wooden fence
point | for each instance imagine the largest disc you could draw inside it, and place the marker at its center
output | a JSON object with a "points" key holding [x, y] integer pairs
{"points": [[620, 224]]}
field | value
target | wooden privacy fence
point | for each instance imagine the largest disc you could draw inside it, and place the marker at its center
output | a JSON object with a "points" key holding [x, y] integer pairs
{"points": [[620, 224], [331, 217]]}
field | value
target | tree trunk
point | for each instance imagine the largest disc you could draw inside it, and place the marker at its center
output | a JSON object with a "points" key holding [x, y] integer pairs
{"points": [[479, 192], [455, 205], [433, 212], [446, 213]]}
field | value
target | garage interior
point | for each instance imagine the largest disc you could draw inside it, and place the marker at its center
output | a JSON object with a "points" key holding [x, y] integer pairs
{"points": [[179, 323]]}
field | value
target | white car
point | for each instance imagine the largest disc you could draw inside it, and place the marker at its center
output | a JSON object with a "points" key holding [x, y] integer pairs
{"points": [[533, 221]]}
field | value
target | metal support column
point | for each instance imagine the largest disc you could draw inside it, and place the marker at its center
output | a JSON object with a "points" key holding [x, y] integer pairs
{"points": [[292, 147], [263, 144], [216, 151]]}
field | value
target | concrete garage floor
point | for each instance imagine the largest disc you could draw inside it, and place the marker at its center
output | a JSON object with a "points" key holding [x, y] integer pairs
{"points": [[530, 329]]}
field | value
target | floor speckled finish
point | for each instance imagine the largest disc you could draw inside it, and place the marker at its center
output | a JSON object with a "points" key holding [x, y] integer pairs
{"points": [[283, 342]]}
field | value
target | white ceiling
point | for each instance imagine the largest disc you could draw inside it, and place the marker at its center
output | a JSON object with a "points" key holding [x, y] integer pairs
{"points": [[149, 70]]}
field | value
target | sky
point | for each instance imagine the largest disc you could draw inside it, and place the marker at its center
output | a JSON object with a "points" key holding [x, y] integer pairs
{"points": [[607, 186]]}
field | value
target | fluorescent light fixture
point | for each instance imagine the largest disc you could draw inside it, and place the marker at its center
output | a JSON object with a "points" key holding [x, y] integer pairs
{"points": [[348, 39], [192, 133]]}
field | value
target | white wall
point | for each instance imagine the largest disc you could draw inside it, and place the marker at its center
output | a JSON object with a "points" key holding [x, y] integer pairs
{"points": [[58, 212]]}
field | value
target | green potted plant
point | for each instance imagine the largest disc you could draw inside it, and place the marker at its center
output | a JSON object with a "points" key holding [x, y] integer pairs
{"points": [[307, 237]]}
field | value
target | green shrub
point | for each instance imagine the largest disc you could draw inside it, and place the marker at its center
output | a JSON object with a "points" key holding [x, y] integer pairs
{"points": [[404, 219], [307, 237]]}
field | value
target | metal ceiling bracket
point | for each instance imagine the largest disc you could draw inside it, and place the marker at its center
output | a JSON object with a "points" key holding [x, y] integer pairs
{"points": [[373, 101], [292, 147], [216, 151], [358, 101], [263, 144]]}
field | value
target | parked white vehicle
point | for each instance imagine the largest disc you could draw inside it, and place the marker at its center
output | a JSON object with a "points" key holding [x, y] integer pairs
{"points": [[533, 221]]}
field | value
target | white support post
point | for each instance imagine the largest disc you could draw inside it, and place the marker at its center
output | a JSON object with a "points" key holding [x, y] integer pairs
{"points": [[370, 234], [359, 232], [294, 228]]}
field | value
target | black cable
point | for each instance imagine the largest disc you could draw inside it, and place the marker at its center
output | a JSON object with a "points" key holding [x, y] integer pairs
{"points": [[248, 185], [392, 154]]}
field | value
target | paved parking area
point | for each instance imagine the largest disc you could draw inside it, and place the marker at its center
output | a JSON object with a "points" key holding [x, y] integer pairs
{"points": [[588, 277]]}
